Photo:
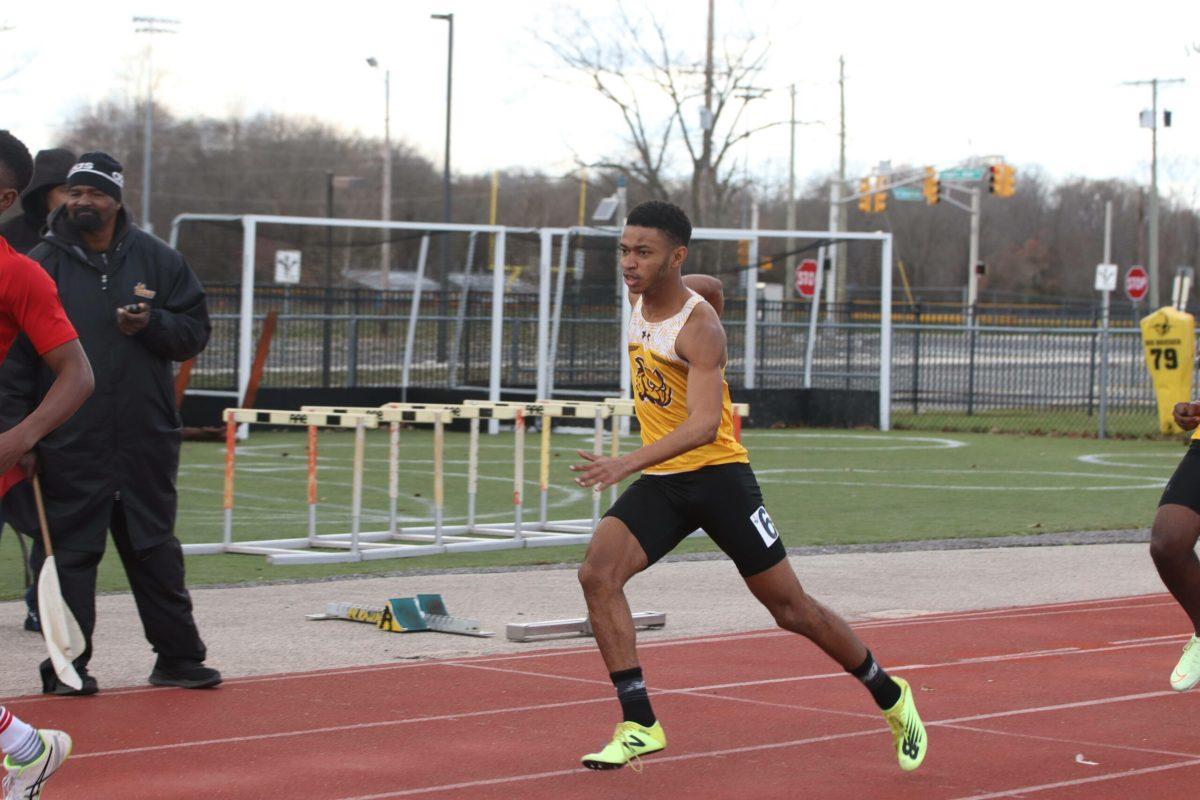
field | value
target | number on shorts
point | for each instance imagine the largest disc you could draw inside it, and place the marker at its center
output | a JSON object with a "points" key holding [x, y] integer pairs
{"points": [[761, 521]]}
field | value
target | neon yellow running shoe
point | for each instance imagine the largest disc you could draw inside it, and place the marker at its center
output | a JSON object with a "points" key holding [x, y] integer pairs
{"points": [[907, 730], [630, 741], [1187, 671]]}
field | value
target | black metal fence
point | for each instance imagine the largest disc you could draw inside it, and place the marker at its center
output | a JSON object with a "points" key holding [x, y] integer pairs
{"points": [[1017, 368]]}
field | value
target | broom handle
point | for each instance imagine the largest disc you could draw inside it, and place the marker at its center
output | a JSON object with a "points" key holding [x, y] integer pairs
{"points": [[41, 511]]}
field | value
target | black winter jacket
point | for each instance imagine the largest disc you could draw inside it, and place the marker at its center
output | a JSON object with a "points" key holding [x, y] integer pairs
{"points": [[125, 438]]}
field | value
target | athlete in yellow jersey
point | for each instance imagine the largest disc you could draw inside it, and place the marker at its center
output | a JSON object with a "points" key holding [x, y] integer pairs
{"points": [[1173, 543], [695, 475]]}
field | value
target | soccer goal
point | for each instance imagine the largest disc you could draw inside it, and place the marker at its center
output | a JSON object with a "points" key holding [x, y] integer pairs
{"points": [[776, 338], [513, 312]]}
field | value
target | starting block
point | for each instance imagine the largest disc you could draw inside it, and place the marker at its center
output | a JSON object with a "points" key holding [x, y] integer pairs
{"points": [[425, 612], [528, 631]]}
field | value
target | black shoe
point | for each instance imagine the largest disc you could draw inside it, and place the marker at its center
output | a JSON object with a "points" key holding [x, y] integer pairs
{"points": [[52, 685], [186, 675], [32, 623]]}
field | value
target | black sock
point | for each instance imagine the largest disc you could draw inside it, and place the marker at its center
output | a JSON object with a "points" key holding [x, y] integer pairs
{"points": [[885, 690], [631, 691]]}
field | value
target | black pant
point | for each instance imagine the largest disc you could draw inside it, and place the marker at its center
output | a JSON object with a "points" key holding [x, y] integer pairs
{"points": [[156, 578]]}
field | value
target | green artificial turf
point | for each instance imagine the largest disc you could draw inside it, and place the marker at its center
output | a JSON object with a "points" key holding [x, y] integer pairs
{"points": [[820, 486]]}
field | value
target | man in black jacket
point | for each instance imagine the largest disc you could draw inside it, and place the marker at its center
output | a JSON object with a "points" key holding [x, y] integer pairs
{"points": [[47, 191], [137, 306]]}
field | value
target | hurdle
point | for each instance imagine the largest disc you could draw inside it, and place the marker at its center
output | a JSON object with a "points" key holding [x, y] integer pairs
{"points": [[470, 536], [350, 547], [357, 545], [546, 532]]}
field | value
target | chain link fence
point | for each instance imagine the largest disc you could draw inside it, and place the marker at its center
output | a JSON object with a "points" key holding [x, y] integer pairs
{"points": [[1035, 373]]}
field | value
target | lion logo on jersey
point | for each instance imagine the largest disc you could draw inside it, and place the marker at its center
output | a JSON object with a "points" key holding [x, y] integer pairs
{"points": [[651, 384]]}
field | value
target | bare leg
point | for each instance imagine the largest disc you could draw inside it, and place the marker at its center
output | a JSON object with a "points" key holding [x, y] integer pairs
{"points": [[1173, 548], [794, 610], [613, 557]]}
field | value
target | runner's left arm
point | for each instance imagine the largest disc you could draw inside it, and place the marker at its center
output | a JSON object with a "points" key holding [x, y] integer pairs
{"points": [[702, 344]]}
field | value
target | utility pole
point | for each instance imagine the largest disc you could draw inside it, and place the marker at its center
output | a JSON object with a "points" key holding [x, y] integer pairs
{"points": [[449, 18], [973, 256], [1154, 83], [790, 262], [835, 286], [385, 249], [150, 25], [707, 121], [1103, 429]]}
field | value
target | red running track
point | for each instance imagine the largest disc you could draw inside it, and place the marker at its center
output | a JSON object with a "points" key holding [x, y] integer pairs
{"points": [[1059, 701]]}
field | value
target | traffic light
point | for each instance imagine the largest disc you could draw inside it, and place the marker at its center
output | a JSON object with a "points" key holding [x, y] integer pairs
{"points": [[743, 252], [1002, 180], [864, 201], [879, 204], [1010, 181], [932, 188]]}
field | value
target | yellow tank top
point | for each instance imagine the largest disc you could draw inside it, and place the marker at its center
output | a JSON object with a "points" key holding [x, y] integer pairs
{"points": [[660, 392]]}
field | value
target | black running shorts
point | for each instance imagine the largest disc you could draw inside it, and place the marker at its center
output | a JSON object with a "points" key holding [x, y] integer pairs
{"points": [[1184, 487], [724, 500]]}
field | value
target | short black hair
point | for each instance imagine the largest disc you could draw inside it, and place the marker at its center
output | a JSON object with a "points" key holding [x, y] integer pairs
{"points": [[16, 164], [666, 217]]}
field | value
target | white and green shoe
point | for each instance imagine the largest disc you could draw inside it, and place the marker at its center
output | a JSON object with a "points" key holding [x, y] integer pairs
{"points": [[1187, 671], [630, 742], [25, 781]]}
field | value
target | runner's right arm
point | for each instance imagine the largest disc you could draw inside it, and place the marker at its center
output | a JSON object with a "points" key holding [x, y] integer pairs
{"points": [[31, 298]]}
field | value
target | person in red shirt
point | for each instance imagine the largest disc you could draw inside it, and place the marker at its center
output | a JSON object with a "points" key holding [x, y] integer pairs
{"points": [[29, 304]]}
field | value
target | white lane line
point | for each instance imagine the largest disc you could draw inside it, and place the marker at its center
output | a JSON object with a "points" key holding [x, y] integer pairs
{"points": [[748, 749], [1020, 612], [543, 706], [1044, 787], [1065, 740], [1180, 637], [1107, 604]]}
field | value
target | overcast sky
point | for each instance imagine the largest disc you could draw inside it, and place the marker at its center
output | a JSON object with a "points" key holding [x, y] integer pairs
{"points": [[927, 82]]}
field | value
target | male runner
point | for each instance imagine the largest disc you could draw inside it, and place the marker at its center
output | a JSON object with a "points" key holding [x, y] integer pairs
{"points": [[29, 304], [695, 475], [1173, 543]]}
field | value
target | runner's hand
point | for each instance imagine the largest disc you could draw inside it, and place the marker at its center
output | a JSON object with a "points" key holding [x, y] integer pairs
{"points": [[1187, 415], [28, 463], [600, 471]]}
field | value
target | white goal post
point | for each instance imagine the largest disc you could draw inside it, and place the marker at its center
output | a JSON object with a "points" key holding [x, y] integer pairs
{"points": [[549, 301]]}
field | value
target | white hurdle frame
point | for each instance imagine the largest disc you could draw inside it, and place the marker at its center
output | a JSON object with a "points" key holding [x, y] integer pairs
{"points": [[285, 550], [454, 538]]}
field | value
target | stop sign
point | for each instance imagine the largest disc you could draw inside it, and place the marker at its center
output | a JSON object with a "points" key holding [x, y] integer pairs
{"points": [[1136, 283], [806, 278]]}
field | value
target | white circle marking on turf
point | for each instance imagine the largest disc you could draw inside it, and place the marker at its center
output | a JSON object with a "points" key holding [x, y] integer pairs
{"points": [[891, 442], [1142, 481], [1106, 459]]}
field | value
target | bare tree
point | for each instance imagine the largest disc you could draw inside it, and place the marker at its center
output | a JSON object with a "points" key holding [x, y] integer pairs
{"points": [[673, 108]]}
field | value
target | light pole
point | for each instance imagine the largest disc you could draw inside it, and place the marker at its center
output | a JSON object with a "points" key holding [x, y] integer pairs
{"points": [[150, 25], [442, 330], [1154, 83], [385, 250], [449, 84]]}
